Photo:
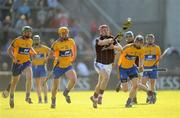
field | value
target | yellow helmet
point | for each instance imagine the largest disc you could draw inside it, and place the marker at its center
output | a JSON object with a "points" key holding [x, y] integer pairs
{"points": [[63, 31]]}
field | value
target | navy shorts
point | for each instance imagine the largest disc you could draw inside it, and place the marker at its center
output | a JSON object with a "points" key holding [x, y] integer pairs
{"points": [[17, 69], [151, 74], [128, 73], [57, 71], [39, 71]]}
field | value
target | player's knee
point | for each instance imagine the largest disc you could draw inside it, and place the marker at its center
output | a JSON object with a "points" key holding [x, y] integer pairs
{"points": [[125, 89], [135, 86], [74, 80], [106, 78], [55, 88]]}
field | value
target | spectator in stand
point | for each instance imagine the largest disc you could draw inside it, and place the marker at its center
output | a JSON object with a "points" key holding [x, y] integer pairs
{"points": [[41, 3], [24, 9], [7, 4], [61, 19], [6, 24], [53, 3], [93, 28], [22, 21], [41, 16]]}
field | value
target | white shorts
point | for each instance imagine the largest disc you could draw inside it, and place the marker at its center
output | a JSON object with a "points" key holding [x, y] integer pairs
{"points": [[100, 66]]}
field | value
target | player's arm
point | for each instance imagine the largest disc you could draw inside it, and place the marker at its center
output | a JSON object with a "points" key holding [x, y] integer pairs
{"points": [[118, 47], [141, 61], [32, 51], [74, 51], [49, 54], [158, 53], [105, 41], [10, 52], [52, 51]]}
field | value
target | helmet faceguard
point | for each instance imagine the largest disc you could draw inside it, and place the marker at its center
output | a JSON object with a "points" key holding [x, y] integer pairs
{"points": [[150, 38], [63, 33], [36, 40], [139, 41], [129, 36], [27, 31]]}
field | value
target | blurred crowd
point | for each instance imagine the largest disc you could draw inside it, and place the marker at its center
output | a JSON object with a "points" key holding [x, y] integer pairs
{"points": [[45, 16]]}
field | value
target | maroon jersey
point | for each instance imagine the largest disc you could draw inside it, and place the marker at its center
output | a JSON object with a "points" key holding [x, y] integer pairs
{"points": [[104, 56]]}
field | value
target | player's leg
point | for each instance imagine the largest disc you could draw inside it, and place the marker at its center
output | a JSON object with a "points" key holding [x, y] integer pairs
{"points": [[55, 86], [45, 90], [151, 76], [38, 89], [44, 87], [118, 86], [98, 67], [105, 75], [71, 75], [94, 98], [144, 81], [14, 82], [132, 93], [28, 72], [16, 71], [152, 87], [124, 86], [132, 73]]}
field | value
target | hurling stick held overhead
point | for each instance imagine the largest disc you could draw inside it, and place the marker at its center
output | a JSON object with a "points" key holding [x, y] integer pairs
{"points": [[127, 24]]}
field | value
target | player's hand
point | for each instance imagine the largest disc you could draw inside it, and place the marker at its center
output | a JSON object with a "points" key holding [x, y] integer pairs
{"points": [[141, 69], [15, 60], [111, 46], [110, 40]]}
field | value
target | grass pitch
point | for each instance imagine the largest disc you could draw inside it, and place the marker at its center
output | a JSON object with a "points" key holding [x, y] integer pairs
{"points": [[167, 106]]}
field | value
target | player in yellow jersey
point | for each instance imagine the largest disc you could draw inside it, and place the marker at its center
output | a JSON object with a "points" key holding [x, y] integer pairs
{"points": [[129, 37], [151, 54], [64, 51], [128, 68], [20, 51], [39, 67]]}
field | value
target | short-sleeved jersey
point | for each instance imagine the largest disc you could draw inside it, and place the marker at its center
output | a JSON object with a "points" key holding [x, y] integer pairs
{"points": [[42, 53], [63, 52], [151, 54], [104, 56], [22, 49], [129, 55]]}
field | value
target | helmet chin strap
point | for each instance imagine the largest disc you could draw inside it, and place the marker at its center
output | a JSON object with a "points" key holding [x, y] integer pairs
{"points": [[138, 47], [25, 36], [64, 38], [36, 44], [150, 43]]}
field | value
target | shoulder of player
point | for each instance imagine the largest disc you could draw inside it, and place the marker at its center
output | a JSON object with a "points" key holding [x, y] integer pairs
{"points": [[44, 46], [157, 46], [127, 46], [71, 40], [54, 43], [17, 38]]}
